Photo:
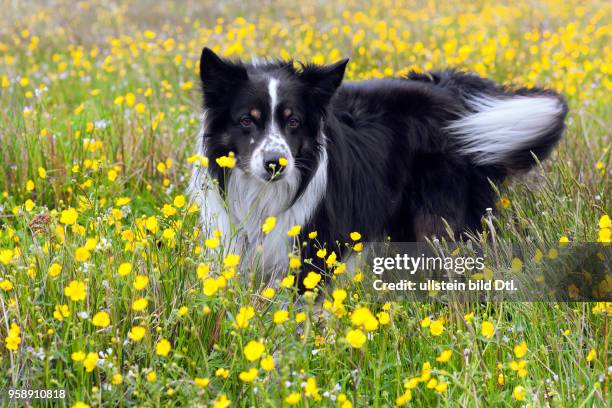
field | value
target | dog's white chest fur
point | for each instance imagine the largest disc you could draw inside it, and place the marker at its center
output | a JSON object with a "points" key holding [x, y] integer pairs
{"points": [[248, 202]]}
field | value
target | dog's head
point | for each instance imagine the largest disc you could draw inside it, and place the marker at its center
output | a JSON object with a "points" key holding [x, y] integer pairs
{"points": [[268, 115]]}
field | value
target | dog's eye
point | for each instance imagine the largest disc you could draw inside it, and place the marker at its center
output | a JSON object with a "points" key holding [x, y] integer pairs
{"points": [[246, 121], [293, 123]]}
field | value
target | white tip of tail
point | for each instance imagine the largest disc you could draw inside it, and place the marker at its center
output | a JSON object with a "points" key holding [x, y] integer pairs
{"points": [[502, 126]]}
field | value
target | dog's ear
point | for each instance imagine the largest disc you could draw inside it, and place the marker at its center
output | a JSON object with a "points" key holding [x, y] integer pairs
{"points": [[323, 80], [219, 75]]}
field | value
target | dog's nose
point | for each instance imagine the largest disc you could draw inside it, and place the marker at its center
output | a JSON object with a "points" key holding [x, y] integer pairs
{"points": [[274, 163]]}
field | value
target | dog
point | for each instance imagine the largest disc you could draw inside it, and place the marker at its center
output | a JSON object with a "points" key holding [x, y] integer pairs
{"points": [[397, 158]]}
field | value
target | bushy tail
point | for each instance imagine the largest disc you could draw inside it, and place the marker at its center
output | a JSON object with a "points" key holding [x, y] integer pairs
{"points": [[503, 128]]}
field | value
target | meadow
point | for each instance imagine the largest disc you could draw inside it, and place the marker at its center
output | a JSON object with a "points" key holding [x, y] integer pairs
{"points": [[109, 291]]}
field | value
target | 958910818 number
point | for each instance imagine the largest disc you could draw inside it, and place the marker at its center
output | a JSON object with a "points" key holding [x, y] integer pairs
{"points": [[36, 394]]}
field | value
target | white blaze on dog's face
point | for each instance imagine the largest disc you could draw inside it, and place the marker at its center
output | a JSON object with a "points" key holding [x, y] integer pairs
{"points": [[272, 158], [268, 115]]}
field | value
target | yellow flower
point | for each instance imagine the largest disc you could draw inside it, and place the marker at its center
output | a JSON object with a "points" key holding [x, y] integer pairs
{"points": [[253, 350], [124, 269], [487, 329], [281, 316], [226, 161], [55, 269], [69, 216], [425, 372], [179, 201], [518, 393], [517, 265], [141, 282], [199, 160], [13, 340], [231, 260], [140, 304], [404, 398], [203, 270], [248, 376], [61, 312], [91, 243], [355, 236], [222, 402], [75, 290], [111, 175], [137, 333], [101, 319], [6, 256], [168, 210], [210, 286], [201, 382], [151, 376], [162, 348], [268, 293], [311, 280], [268, 225], [441, 387], [82, 254], [42, 173], [152, 224], [6, 285], [311, 389], [29, 205], [267, 363], [300, 317], [504, 203], [244, 315], [294, 262], [519, 367], [444, 356], [222, 372], [211, 243], [293, 398], [356, 338], [30, 185], [362, 316], [383, 318], [294, 231], [90, 362], [520, 350], [592, 355], [288, 281], [436, 327], [312, 235], [117, 379], [605, 222], [77, 356]]}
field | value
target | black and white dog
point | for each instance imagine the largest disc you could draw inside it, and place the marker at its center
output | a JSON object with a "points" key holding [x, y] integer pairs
{"points": [[387, 157]]}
